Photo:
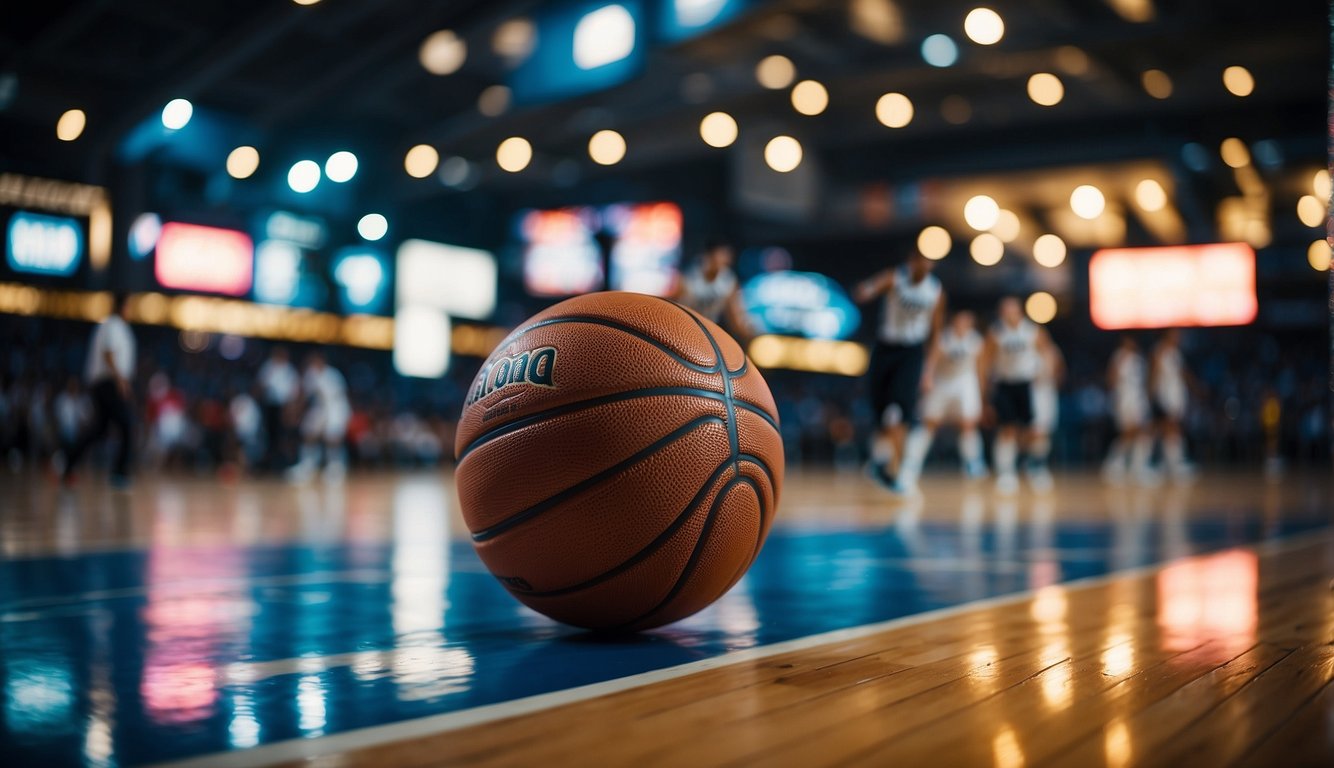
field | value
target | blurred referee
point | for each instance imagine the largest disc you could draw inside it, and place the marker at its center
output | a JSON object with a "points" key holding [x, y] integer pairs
{"points": [[108, 372]]}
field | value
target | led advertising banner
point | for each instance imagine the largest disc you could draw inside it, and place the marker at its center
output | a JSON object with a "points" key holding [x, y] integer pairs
{"points": [[459, 281], [43, 245], [646, 255], [800, 304], [191, 257], [561, 256], [1174, 286]]}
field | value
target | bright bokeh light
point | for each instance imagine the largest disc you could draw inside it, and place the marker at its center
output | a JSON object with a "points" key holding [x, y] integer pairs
{"points": [[809, 97], [940, 50], [1045, 89], [783, 153], [1049, 251], [894, 110], [981, 212], [305, 2], [373, 226], [718, 129], [775, 72], [1006, 226], [71, 124], [514, 154], [420, 161], [494, 100], [1311, 211], [442, 53], [984, 26], [1156, 83], [1318, 255], [176, 115], [1238, 81], [1171, 286], [606, 147], [934, 243], [1072, 60], [1150, 195], [986, 249], [303, 176], [341, 166], [514, 39], [242, 162], [1041, 307], [1234, 153], [1320, 185], [603, 36], [1087, 201]]}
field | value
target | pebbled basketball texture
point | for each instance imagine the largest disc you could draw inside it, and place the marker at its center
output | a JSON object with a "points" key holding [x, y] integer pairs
{"points": [[619, 462]]}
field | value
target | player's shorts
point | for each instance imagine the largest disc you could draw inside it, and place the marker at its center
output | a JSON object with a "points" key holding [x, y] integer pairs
{"points": [[1013, 401], [1046, 408], [1169, 409], [326, 423], [1129, 411], [955, 399], [896, 378]]}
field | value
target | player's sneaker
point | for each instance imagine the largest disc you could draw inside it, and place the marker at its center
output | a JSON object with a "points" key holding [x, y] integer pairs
{"points": [[1007, 484], [879, 473], [905, 490], [975, 470], [1039, 479]]}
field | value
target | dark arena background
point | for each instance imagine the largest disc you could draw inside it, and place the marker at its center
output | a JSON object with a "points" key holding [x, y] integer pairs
{"points": [[1041, 290]]}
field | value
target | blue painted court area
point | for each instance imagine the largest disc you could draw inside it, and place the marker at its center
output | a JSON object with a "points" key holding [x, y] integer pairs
{"points": [[127, 658]]}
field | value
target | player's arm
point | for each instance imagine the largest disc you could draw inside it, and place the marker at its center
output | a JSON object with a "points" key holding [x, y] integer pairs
{"points": [[876, 285], [933, 344], [736, 315]]}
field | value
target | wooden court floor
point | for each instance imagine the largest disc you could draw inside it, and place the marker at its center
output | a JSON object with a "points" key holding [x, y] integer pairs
{"points": [[1222, 659], [1207, 637]]}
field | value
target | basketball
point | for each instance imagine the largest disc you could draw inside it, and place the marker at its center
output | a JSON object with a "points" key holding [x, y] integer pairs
{"points": [[619, 462]]}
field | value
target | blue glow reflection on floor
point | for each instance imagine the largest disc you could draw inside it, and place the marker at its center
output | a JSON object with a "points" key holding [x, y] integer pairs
{"points": [[129, 658]]}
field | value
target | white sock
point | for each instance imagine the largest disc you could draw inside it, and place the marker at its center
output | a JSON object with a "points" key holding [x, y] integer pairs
{"points": [[970, 447], [1039, 449], [310, 456], [1174, 451], [1006, 452], [914, 455], [882, 449], [1140, 453], [336, 456]]}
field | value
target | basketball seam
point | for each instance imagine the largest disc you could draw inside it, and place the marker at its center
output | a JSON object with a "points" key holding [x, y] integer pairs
{"points": [[525, 515], [652, 547], [720, 367], [633, 394], [693, 562]]}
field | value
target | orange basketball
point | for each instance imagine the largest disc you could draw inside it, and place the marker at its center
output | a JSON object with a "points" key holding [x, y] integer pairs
{"points": [[619, 462]]}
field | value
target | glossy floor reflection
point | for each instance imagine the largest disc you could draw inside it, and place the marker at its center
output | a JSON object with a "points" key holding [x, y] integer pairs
{"points": [[186, 618]]}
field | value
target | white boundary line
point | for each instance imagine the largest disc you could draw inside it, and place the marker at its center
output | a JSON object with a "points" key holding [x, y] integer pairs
{"points": [[294, 750]]}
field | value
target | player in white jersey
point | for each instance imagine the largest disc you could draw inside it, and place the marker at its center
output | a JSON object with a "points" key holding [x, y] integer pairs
{"points": [[914, 304], [1169, 389], [711, 288], [1046, 413], [953, 386], [1012, 359], [325, 423], [1126, 380]]}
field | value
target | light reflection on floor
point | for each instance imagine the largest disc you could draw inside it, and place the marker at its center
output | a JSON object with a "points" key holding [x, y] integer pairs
{"points": [[202, 618]]}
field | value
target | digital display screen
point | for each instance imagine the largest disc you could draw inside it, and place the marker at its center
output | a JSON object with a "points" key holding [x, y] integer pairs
{"points": [[646, 253], [561, 256], [43, 245], [460, 281], [582, 46], [1174, 286], [191, 257]]}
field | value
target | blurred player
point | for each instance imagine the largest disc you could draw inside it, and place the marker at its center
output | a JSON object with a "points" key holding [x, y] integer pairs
{"points": [[953, 385], [1012, 359], [325, 423], [108, 373], [914, 305], [1168, 387], [1046, 413], [278, 384], [710, 288], [1130, 410]]}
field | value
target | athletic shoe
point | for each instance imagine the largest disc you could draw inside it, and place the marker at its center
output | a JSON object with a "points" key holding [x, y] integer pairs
{"points": [[1007, 484], [879, 473], [975, 470], [904, 490], [1039, 478]]}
